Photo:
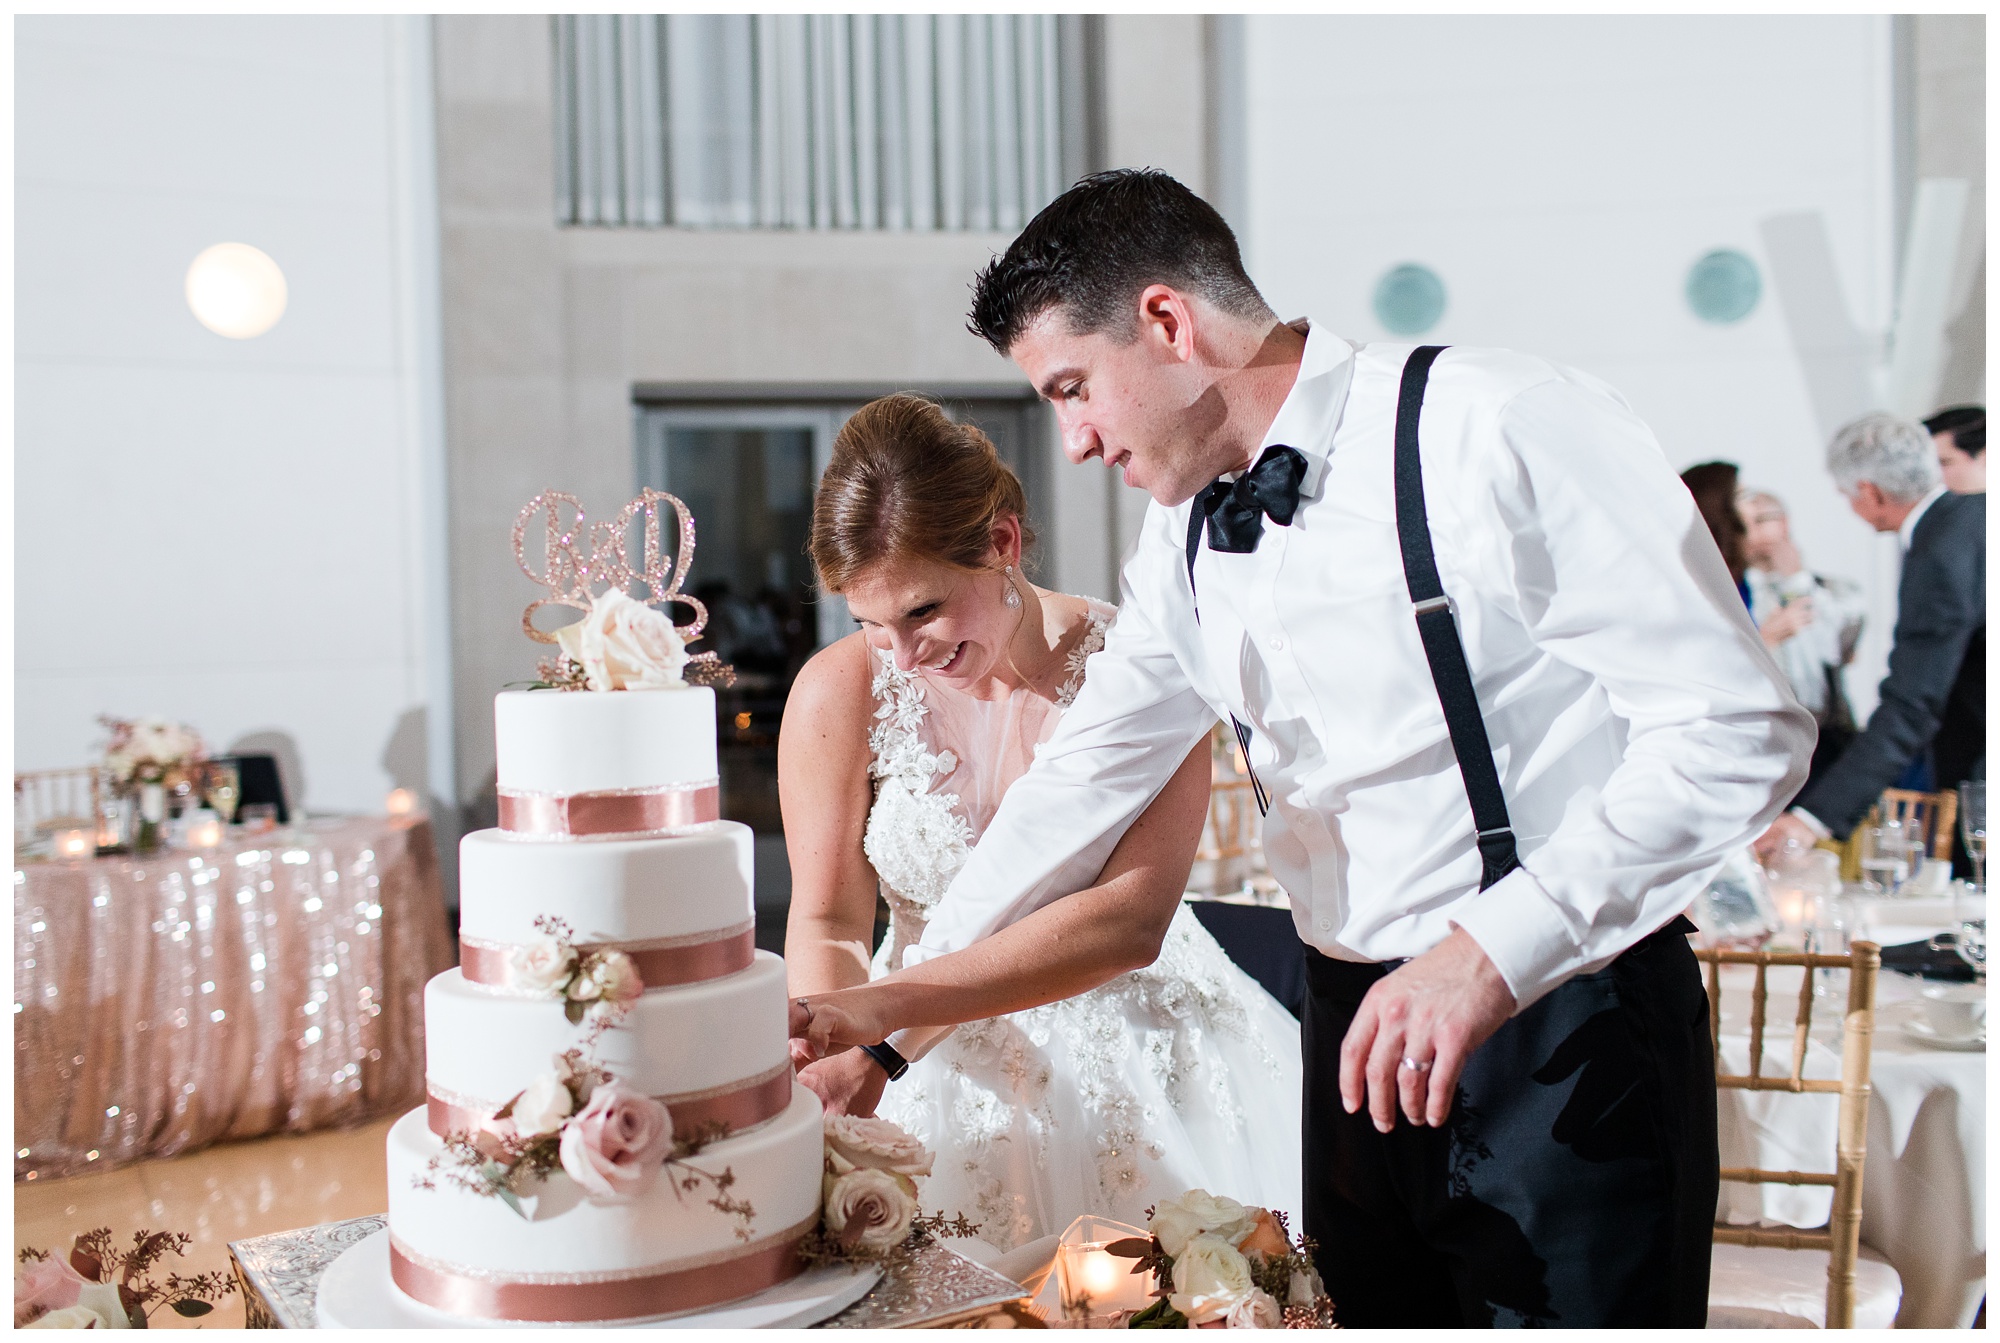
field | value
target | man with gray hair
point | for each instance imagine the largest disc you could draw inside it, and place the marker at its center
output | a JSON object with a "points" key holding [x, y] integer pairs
{"points": [[1934, 697]]}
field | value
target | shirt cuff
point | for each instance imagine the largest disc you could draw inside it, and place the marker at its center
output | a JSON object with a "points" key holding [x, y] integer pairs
{"points": [[1522, 933], [1813, 823]]}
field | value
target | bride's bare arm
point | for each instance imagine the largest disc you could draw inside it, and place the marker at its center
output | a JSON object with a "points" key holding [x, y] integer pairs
{"points": [[1067, 947], [823, 792]]}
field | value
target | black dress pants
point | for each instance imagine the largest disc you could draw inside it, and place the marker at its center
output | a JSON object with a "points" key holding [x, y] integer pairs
{"points": [[1574, 1185]]}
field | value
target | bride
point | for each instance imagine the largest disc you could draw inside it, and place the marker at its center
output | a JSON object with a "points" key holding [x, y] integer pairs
{"points": [[1118, 1058]]}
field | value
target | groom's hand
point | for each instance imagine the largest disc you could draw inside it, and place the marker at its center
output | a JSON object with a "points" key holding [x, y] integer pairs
{"points": [[1436, 1009], [848, 1083]]}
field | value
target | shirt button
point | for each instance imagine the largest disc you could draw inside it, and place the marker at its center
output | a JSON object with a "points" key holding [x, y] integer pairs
{"points": [[1277, 645], [1326, 925]]}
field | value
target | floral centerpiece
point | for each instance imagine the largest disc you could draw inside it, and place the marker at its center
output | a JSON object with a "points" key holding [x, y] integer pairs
{"points": [[599, 982], [100, 1286], [144, 758], [1219, 1264], [578, 1118]]}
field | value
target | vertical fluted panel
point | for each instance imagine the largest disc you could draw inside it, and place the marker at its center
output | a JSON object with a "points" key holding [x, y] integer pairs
{"points": [[808, 121]]}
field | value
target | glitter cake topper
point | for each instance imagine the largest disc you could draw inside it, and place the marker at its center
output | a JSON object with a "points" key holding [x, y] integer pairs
{"points": [[580, 555]]}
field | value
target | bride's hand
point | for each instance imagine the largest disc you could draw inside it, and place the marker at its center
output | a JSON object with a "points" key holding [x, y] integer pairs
{"points": [[832, 1022], [849, 1083]]}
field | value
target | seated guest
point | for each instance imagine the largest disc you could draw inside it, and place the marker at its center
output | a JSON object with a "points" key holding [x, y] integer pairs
{"points": [[1935, 693], [1960, 435], [1810, 621], [1713, 485]]}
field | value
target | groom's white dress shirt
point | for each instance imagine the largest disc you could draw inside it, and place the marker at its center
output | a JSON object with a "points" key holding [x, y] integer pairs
{"points": [[1641, 730]]}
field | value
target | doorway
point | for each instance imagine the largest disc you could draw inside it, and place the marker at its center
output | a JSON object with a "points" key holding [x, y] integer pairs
{"points": [[747, 468]]}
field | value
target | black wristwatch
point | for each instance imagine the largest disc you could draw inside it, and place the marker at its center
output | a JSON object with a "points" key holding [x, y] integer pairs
{"points": [[885, 1054]]}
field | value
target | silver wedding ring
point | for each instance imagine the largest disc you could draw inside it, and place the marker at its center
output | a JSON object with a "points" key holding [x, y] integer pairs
{"points": [[804, 1007], [1417, 1065]]}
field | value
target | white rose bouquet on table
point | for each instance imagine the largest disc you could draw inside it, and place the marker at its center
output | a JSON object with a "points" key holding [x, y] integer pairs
{"points": [[1220, 1264], [150, 750], [102, 1285]]}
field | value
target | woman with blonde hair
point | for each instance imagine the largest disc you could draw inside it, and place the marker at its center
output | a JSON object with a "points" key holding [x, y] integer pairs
{"points": [[1111, 1055]]}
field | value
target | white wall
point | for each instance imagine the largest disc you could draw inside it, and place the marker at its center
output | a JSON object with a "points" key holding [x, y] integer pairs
{"points": [[225, 532], [1561, 174]]}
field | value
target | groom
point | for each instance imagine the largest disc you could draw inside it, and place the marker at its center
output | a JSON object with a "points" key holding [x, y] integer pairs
{"points": [[1508, 714]]}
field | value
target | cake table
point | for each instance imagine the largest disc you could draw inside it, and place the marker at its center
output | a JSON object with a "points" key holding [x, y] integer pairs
{"points": [[932, 1287]]}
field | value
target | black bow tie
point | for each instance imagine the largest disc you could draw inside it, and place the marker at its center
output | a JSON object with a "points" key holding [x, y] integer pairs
{"points": [[1235, 509]]}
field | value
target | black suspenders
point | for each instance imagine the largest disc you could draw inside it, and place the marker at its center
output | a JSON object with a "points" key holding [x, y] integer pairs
{"points": [[1442, 649], [1439, 632]]}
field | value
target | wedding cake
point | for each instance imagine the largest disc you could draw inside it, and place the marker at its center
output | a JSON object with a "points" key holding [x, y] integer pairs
{"points": [[608, 969]]}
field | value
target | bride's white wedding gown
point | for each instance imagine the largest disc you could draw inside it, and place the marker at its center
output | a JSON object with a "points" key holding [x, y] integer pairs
{"points": [[1183, 1075]]}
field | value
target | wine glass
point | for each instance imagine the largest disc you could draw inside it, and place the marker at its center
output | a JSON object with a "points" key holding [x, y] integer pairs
{"points": [[225, 789], [1972, 825]]}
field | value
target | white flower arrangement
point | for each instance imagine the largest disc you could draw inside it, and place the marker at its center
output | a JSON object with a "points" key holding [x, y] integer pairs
{"points": [[150, 750], [623, 644], [1220, 1263], [601, 982], [578, 1119]]}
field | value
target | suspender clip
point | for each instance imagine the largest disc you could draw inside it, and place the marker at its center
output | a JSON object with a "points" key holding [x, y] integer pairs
{"points": [[1430, 604], [1497, 830]]}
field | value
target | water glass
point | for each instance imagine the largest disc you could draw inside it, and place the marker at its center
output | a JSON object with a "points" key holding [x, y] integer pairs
{"points": [[1885, 857], [1972, 825], [1969, 941]]}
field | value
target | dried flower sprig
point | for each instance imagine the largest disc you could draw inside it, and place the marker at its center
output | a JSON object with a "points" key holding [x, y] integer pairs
{"points": [[97, 1271]]}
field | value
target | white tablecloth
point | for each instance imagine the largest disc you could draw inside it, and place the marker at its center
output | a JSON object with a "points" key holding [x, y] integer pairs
{"points": [[1924, 1185]]}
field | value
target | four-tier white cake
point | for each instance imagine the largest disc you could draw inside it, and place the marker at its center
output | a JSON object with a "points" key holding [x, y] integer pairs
{"points": [[608, 825]]}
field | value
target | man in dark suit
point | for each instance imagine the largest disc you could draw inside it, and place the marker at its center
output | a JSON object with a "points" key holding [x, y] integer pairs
{"points": [[1934, 697]]}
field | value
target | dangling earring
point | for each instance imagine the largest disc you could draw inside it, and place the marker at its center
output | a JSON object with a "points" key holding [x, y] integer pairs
{"points": [[1013, 597]]}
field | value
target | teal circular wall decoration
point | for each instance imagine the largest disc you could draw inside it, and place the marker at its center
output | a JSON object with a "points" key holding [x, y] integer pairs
{"points": [[1409, 299], [1723, 286]]}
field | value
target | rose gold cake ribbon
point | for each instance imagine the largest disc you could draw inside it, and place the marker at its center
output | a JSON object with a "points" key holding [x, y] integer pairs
{"points": [[705, 1280], [738, 1105], [660, 961], [615, 811]]}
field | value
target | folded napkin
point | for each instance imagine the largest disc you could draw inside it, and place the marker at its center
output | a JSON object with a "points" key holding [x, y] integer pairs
{"points": [[1917, 958]]}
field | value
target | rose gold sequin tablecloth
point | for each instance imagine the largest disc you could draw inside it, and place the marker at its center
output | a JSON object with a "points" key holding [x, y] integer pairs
{"points": [[275, 983]]}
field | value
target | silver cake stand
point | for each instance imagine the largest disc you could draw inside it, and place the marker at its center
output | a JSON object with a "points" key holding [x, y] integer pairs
{"points": [[356, 1293], [288, 1283]]}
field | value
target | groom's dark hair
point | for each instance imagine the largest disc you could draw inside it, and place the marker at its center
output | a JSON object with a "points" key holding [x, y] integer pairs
{"points": [[1091, 251]]}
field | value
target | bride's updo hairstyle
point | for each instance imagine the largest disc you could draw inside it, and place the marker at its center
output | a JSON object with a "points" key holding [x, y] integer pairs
{"points": [[907, 482]]}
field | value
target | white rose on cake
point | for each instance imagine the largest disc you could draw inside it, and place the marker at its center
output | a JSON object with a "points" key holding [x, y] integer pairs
{"points": [[543, 1106], [623, 644], [869, 1208], [543, 965], [873, 1144]]}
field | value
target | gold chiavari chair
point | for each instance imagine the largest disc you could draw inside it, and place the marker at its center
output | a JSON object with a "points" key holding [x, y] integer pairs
{"points": [[46, 800], [1934, 815], [1231, 836], [1841, 1237]]}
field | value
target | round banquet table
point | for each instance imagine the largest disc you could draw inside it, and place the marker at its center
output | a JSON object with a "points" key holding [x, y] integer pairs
{"points": [[275, 982], [1923, 1193]]}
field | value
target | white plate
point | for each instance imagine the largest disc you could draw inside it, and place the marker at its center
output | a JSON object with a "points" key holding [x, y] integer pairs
{"points": [[1920, 1030], [356, 1292]]}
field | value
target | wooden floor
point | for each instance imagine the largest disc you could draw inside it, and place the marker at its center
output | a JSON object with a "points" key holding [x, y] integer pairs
{"points": [[218, 1195]]}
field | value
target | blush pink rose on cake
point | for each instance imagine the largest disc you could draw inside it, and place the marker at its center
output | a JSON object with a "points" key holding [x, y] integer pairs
{"points": [[615, 1145]]}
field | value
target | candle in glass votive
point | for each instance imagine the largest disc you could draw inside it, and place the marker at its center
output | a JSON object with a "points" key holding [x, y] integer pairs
{"points": [[1791, 903], [75, 844], [204, 830], [400, 802]]}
